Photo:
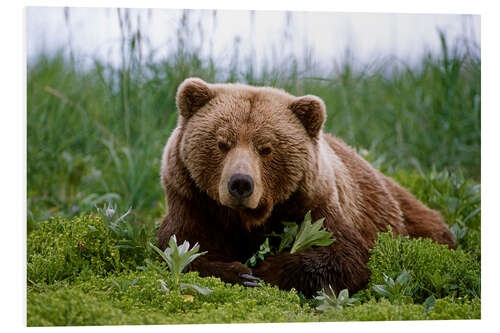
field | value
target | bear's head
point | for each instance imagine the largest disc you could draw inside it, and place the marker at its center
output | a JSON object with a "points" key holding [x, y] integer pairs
{"points": [[249, 148]]}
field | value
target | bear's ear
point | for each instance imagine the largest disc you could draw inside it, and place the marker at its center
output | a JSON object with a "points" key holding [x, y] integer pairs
{"points": [[311, 112], [192, 94]]}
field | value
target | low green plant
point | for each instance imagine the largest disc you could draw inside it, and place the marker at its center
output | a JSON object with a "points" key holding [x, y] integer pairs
{"points": [[456, 197], [383, 309], [129, 297], [132, 235], [264, 250], [287, 237], [93, 302], [77, 247], [398, 290], [295, 238], [142, 303], [177, 259], [329, 301], [442, 284], [124, 285], [429, 303], [310, 235], [433, 269]]}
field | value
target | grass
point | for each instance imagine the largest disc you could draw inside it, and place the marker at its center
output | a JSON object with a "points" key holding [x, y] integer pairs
{"points": [[96, 133]]}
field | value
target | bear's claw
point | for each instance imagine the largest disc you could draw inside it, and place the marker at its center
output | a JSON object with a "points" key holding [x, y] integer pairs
{"points": [[252, 280], [249, 277]]}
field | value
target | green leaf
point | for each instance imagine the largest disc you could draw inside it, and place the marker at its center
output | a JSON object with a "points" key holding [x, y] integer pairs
{"points": [[429, 303], [252, 261], [264, 250], [196, 288], [403, 278], [163, 285], [124, 246], [343, 295], [381, 290], [156, 268], [328, 300], [474, 212], [288, 236], [178, 257], [388, 280], [310, 235], [118, 286]]}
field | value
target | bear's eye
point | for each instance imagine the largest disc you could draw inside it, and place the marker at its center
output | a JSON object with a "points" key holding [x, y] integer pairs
{"points": [[223, 146], [265, 150]]}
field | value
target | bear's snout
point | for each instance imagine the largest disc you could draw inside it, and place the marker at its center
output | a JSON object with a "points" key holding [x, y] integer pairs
{"points": [[240, 186]]}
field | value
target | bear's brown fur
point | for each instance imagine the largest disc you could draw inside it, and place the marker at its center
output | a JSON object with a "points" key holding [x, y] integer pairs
{"points": [[242, 159]]}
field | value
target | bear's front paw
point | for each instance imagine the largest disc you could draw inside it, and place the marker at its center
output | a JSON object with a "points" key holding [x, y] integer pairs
{"points": [[281, 270], [314, 269], [233, 272]]}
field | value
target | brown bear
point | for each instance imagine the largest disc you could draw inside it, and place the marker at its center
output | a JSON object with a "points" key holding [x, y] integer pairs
{"points": [[243, 159]]}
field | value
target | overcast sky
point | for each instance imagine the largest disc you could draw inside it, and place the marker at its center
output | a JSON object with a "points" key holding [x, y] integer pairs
{"points": [[96, 32]]}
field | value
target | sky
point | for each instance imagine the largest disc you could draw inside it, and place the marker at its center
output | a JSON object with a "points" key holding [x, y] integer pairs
{"points": [[96, 32]]}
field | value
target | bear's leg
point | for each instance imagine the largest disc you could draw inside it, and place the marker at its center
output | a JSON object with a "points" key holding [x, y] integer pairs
{"points": [[419, 220], [341, 265]]}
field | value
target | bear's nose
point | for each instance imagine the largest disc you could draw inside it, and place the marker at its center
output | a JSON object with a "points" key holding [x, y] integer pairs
{"points": [[240, 186]]}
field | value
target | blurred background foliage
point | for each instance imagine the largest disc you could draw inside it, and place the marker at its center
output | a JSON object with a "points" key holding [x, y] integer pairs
{"points": [[96, 131]]}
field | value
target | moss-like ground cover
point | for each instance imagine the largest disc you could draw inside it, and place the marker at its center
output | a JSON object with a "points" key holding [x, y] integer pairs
{"points": [[79, 273]]}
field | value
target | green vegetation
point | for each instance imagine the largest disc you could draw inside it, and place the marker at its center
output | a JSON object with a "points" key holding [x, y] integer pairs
{"points": [[95, 135], [296, 237], [96, 132], [421, 268], [177, 259], [456, 197], [444, 309], [310, 235], [144, 296], [89, 244], [69, 249], [107, 283], [331, 302], [398, 290]]}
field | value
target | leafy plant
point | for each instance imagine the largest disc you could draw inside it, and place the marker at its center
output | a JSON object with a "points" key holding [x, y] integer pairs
{"points": [[124, 285], [311, 235], [295, 239], [442, 284], [396, 291], [178, 258], [429, 303], [76, 248], [132, 235], [328, 300], [382, 309], [458, 230], [456, 197], [264, 250], [434, 268], [287, 237]]}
